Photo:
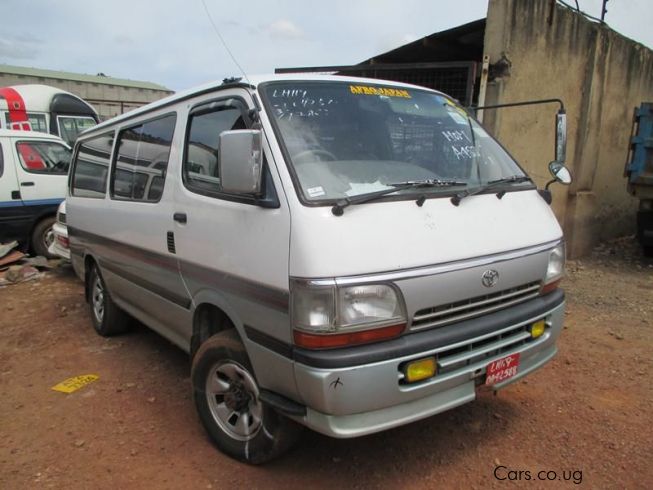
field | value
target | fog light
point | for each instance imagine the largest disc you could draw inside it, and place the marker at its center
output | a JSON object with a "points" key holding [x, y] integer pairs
{"points": [[537, 328], [420, 369]]}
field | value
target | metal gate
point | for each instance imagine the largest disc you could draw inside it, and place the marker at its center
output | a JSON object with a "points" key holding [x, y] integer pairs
{"points": [[455, 78]]}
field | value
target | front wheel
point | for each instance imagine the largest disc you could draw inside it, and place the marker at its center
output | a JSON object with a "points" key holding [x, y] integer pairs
{"points": [[226, 396]]}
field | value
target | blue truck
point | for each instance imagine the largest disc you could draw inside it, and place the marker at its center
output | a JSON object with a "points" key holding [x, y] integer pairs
{"points": [[639, 171]]}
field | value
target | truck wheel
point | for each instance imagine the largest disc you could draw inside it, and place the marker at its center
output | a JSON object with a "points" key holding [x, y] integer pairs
{"points": [[42, 237], [226, 397], [108, 318]]}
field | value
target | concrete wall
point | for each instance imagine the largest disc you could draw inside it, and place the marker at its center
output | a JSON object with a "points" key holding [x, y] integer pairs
{"points": [[550, 51], [109, 100]]}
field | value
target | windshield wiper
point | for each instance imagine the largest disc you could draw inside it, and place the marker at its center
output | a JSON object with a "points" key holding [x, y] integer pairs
{"points": [[513, 179], [338, 208]]}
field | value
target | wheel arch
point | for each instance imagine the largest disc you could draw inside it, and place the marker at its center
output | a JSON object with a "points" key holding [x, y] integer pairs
{"points": [[211, 315]]}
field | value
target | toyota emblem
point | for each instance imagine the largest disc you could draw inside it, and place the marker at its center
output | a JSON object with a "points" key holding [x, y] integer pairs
{"points": [[489, 278]]}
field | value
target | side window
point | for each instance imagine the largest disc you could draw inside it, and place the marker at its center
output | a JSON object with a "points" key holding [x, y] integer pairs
{"points": [[92, 167], [43, 157], [37, 121], [201, 151], [142, 154], [71, 126]]}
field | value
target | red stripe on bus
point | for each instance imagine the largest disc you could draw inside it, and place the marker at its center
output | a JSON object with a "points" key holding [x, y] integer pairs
{"points": [[15, 104]]}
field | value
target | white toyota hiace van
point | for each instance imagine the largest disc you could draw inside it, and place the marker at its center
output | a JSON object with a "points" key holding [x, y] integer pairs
{"points": [[346, 254], [33, 176]]}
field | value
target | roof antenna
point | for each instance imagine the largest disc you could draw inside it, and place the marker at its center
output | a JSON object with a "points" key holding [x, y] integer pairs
{"points": [[217, 31]]}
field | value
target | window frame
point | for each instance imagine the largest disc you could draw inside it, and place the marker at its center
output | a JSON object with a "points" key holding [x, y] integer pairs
{"points": [[2, 161], [114, 157], [269, 197], [73, 166]]}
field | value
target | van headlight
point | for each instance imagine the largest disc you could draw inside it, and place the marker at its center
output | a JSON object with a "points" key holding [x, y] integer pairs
{"points": [[555, 269], [326, 316]]}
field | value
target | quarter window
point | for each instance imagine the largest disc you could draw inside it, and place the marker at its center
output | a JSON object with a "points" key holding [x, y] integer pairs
{"points": [[92, 167], [43, 157], [142, 160], [201, 163]]}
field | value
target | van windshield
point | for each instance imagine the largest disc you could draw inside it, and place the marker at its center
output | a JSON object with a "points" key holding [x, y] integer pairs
{"points": [[345, 139]]}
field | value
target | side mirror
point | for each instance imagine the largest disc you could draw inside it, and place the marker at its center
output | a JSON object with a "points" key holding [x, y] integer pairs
{"points": [[560, 174], [241, 161], [561, 136]]}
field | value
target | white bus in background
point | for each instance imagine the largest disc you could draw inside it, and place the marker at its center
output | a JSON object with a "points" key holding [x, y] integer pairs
{"points": [[45, 109]]}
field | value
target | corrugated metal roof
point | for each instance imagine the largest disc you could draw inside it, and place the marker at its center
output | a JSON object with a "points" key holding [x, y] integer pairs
{"points": [[79, 77]]}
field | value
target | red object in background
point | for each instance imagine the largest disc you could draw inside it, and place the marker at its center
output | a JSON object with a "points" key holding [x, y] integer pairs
{"points": [[30, 157], [16, 108]]}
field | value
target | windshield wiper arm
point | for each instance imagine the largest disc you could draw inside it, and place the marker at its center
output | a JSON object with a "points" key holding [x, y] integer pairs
{"points": [[513, 179], [338, 208]]}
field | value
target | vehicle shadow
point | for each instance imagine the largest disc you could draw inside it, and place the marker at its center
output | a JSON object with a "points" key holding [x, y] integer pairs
{"points": [[420, 448]]}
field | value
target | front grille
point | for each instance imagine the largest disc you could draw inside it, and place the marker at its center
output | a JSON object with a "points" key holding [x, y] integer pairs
{"points": [[463, 310], [471, 351]]}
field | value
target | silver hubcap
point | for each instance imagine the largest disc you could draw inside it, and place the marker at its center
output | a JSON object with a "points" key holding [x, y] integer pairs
{"points": [[232, 396], [97, 296], [48, 237]]}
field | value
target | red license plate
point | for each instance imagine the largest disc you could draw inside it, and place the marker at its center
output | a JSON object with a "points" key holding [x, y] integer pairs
{"points": [[502, 369]]}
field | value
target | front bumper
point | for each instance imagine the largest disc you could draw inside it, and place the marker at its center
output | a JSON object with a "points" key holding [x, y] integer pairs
{"points": [[366, 398]]}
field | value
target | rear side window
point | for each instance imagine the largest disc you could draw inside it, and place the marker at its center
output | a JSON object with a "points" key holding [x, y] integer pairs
{"points": [[142, 154], [43, 157], [37, 121], [92, 167], [201, 162]]}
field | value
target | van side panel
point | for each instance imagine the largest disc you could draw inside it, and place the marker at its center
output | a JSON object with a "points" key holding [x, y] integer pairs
{"points": [[128, 240]]}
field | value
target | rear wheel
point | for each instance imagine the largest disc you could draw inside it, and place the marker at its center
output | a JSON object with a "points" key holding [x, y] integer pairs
{"points": [[42, 237], [108, 318], [226, 396]]}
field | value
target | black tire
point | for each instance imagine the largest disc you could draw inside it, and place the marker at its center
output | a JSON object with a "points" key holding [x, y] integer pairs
{"points": [[108, 318], [647, 250], [237, 433], [42, 236]]}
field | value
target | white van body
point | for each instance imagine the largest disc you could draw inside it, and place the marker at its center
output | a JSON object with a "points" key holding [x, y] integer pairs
{"points": [[33, 176], [468, 282]]}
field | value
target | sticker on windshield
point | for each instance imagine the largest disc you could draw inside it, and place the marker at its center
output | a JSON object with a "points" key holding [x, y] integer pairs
{"points": [[450, 105], [388, 92], [457, 117], [315, 191]]}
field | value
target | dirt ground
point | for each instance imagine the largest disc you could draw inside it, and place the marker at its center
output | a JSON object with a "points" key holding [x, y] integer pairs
{"points": [[584, 418]]}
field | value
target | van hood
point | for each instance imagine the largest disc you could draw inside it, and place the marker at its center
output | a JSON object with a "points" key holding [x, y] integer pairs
{"points": [[395, 235]]}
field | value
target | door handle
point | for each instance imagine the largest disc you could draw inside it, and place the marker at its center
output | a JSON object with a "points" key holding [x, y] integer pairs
{"points": [[27, 184], [180, 218]]}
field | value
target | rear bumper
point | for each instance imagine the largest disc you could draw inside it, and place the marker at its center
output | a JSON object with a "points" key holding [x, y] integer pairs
{"points": [[57, 248], [362, 399]]}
